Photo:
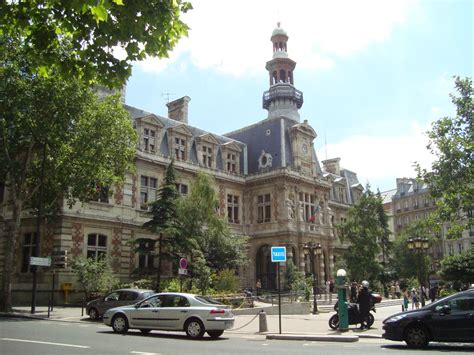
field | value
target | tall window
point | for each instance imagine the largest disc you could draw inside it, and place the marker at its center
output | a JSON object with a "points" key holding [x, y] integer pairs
{"points": [[149, 139], [101, 193], [148, 187], [146, 255], [264, 208], [233, 208], [28, 247], [180, 148], [96, 246], [231, 163], [182, 189], [309, 206], [207, 156]]}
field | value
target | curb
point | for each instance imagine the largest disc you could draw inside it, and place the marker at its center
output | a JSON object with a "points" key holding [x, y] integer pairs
{"points": [[30, 316], [315, 337]]}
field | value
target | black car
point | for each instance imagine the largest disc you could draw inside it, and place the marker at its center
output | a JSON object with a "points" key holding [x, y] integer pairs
{"points": [[451, 319], [96, 308]]}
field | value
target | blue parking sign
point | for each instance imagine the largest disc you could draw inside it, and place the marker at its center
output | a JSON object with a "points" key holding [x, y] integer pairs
{"points": [[278, 254]]}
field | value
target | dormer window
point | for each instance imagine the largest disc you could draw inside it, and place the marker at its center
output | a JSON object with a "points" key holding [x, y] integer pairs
{"points": [[232, 163], [180, 148], [207, 156], [149, 140]]}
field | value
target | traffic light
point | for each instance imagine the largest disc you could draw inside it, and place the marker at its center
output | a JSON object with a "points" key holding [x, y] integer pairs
{"points": [[60, 259]]}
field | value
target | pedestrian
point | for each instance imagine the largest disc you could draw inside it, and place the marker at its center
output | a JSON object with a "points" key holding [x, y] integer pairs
{"points": [[397, 290], [406, 297], [363, 299], [392, 291], [258, 286], [433, 292], [415, 299], [353, 296]]}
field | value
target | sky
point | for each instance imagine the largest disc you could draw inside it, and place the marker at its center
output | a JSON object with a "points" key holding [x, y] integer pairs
{"points": [[374, 74]]}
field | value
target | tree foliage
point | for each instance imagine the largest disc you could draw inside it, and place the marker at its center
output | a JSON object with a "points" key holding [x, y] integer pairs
{"points": [[205, 235], [363, 230], [459, 267], [94, 275], [451, 178], [91, 30], [86, 144]]}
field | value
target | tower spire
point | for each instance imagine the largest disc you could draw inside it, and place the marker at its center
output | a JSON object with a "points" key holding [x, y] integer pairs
{"points": [[282, 99]]}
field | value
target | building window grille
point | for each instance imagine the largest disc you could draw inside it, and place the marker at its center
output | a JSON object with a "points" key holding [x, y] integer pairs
{"points": [[28, 248], [233, 208], [264, 208], [96, 246]]}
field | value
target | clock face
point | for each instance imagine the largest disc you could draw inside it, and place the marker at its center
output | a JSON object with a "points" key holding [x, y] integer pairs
{"points": [[304, 148]]}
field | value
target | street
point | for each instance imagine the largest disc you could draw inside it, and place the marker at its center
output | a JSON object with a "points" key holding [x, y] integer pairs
{"points": [[24, 336]]}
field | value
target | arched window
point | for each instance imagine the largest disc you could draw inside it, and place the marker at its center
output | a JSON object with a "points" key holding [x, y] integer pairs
{"points": [[275, 78], [266, 269], [282, 76]]}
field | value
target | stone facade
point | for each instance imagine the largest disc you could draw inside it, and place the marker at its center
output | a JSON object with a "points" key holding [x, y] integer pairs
{"points": [[269, 181]]}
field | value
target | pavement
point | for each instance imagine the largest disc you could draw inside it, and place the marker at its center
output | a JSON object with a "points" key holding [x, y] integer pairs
{"points": [[312, 327]]}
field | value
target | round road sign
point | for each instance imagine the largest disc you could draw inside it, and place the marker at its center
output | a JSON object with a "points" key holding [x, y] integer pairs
{"points": [[183, 263]]}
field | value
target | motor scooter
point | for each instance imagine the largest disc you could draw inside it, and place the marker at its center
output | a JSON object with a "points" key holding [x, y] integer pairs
{"points": [[354, 314]]}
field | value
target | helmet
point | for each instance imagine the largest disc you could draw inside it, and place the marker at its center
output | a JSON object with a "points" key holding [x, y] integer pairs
{"points": [[365, 284]]}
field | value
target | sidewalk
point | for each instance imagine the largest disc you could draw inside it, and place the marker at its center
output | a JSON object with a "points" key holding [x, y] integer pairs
{"points": [[297, 327]]}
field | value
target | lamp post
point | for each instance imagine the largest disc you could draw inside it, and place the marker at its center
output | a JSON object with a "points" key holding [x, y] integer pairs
{"points": [[419, 245], [313, 249]]}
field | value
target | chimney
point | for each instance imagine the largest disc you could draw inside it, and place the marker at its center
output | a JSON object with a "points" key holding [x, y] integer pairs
{"points": [[332, 166], [178, 109]]}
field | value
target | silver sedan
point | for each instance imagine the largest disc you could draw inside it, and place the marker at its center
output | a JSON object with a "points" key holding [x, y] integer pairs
{"points": [[191, 313]]}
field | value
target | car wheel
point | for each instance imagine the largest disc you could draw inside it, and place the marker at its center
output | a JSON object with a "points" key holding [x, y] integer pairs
{"points": [[145, 331], [370, 320], [334, 321], [416, 337], [120, 324], [214, 334], [93, 313], [194, 328]]}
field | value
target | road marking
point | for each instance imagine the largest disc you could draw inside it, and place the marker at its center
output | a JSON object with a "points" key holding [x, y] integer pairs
{"points": [[46, 342], [140, 352]]}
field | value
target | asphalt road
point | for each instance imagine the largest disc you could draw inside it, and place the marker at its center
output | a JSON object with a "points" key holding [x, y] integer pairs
{"points": [[22, 336]]}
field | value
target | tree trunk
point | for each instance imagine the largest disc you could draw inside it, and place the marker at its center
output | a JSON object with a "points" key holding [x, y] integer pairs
{"points": [[158, 276], [11, 240]]}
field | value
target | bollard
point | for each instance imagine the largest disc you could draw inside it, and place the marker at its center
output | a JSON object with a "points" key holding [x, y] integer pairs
{"points": [[342, 300], [262, 322]]}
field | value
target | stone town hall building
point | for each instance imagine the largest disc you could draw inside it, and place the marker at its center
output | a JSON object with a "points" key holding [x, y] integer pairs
{"points": [[268, 179]]}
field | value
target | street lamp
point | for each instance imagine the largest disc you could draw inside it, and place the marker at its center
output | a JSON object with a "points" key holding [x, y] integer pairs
{"points": [[419, 245], [313, 249]]}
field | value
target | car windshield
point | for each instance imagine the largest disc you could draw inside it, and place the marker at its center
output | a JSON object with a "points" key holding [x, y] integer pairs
{"points": [[207, 300]]}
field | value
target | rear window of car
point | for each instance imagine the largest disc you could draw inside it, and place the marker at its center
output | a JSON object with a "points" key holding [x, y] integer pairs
{"points": [[207, 300], [147, 294]]}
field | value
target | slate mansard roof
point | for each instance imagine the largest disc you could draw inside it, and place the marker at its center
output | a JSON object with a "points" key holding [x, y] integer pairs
{"points": [[168, 124]]}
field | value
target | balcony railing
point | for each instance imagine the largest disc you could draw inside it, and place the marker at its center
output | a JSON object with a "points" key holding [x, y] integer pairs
{"points": [[282, 91]]}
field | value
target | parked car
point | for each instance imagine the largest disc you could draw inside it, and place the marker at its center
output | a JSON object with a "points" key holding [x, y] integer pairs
{"points": [[96, 308], [173, 311], [450, 319]]}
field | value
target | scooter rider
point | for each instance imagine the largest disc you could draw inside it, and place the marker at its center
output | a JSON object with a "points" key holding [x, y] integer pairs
{"points": [[363, 299]]}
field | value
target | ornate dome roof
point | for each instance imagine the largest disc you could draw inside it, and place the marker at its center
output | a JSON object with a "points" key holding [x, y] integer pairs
{"points": [[279, 31]]}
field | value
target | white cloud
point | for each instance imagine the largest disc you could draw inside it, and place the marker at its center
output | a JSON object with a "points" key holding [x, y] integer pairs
{"points": [[233, 37], [378, 159]]}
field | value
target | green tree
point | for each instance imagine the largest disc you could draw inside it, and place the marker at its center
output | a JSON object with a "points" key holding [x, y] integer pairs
{"points": [[90, 30], [459, 267], [86, 144], [407, 263], [94, 275], [163, 215], [225, 281], [205, 235], [363, 230], [451, 178]]}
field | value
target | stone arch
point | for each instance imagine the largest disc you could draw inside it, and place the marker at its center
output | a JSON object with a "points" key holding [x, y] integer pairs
{"points": [[266, 270], [282, 76]]}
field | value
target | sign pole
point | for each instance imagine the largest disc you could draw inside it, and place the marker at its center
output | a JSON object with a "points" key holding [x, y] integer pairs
{"points": [[279, 298]]}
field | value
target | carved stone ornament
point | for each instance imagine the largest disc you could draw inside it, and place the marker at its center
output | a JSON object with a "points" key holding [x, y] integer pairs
{"points": [[265, 160]]}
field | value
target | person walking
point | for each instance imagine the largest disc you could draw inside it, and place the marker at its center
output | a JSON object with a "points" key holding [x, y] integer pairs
{"points": [[406, 297], [353, 296], [363, 299]]}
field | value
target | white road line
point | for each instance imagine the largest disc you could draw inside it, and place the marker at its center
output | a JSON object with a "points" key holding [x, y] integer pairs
{"points": [[46, 342], [139, 352]]}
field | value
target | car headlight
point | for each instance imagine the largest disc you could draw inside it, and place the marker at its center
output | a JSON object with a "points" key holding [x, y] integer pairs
{"points": [[395, 318]]}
